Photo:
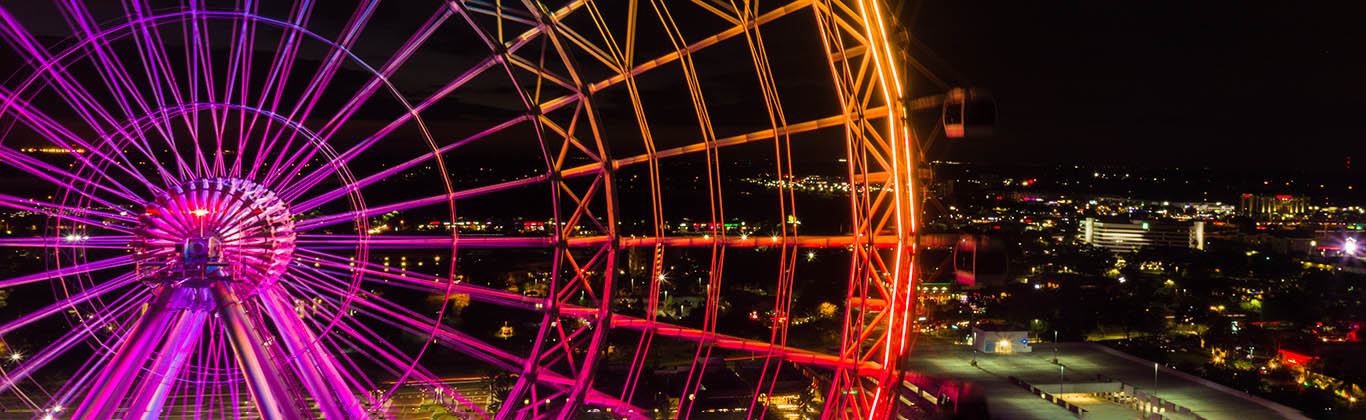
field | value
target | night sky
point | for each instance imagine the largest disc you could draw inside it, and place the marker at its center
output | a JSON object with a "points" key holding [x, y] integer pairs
{"points": [[1218, 84]]}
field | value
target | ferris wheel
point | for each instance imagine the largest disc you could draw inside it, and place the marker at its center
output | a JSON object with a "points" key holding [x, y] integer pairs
{"points": [[288, 210]]}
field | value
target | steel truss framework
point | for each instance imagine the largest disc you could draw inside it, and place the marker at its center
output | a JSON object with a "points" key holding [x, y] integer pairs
{"points": [[210, 239]]}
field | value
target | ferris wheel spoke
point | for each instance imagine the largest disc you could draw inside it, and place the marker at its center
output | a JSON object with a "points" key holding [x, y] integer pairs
{"points": [[419, 324], [329, 196], [316, 222], [80, 101], [282, 65], [392, 355], [109, 242], [116, 79], [200, 64], [396, 360], [236, 81], [151, 55], [417, 281], [76, 214], [379, 79], [54, 175], [322, 77], [62, 305], [62, 137], [116, 309], [385, 311], [68, 271], [511, 46]]}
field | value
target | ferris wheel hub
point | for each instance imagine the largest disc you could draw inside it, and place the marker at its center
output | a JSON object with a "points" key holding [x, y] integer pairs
{"points": [[215, 229]]}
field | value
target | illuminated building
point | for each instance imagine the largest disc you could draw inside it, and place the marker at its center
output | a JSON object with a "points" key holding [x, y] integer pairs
{"points": [[1122, 236], [999, 339], [1269, 207]]}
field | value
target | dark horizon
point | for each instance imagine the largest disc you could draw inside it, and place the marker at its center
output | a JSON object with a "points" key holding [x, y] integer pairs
{"points": [[1175, 84]]}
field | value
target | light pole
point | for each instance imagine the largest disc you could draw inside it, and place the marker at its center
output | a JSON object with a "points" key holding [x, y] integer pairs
{"points": [[1154, 378], [1056, 350], [1061, 381]]}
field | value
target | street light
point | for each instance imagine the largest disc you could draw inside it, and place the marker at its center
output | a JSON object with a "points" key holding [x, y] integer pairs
{"points": [[1061, 381], [1056, 350], [1154, 378]]}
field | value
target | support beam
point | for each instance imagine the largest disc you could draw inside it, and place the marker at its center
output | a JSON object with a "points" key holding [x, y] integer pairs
{"points": [[113, 384], [317, 370], [151, 395], [268, 391]]}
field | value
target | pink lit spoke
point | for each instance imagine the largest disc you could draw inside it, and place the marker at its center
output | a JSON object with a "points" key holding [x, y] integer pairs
{"points": [[281, 67], [60, 212], [400, 317], [397, 315], [417, 281], [75, 95], [329, 196], [400, 57], [116, 80], [77, 335], [161, 78], [64, 138], [19, 203], [68, 271], [313, 223], [339, 51], [55, 176], [515, 44], [236, 79], [67, 303], [397, 358], [109, 242]]}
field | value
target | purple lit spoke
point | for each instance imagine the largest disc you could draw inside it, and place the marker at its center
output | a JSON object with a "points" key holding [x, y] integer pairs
{"points": [[110, 242], [238, 78], [54, 175], [323, 77], [412, 280], [118, 82], [306, 224], [68, 271], [280, 68], [64, 138], [393, 355], [61, 305], [153, 58], [64, 213], [353, 328], [400, 317], [390, 172], [377, 80], [323, 172], [86, 328], [86, 107]]}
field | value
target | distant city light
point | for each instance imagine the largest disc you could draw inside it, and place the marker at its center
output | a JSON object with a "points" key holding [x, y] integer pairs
{"points": [[1350, 247]]}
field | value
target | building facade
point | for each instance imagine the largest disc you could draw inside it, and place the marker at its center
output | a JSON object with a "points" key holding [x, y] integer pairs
{"points": [[1124, 236], [1272, 207]]}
